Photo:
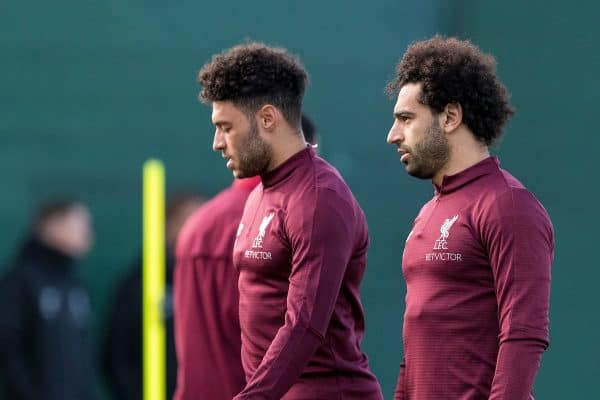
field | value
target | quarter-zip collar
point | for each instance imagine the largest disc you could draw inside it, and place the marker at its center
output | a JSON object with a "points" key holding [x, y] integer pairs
{"points": [[451, 183]]}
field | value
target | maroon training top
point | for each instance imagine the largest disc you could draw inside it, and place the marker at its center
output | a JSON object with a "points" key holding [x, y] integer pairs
{"points": [[207, 329], [477, 269], [301, 253]]}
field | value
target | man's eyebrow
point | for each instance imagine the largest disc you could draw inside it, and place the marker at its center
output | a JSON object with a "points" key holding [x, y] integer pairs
{"points": [[401, 114], [220, 122]]}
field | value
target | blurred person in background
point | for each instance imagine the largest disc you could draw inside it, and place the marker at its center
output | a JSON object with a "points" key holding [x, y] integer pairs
{"points": [[207, 326], [45, 349], [309, 130], [477, 261], [302, 241], [123, 346]]}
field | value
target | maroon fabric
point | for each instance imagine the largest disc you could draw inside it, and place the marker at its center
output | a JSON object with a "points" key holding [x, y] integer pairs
{"points": [[477, 269], [207, 330], [301, 252]]}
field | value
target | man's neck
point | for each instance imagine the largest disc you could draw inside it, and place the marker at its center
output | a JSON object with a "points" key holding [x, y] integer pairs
{"points": [[463, 154], [285, 146]]}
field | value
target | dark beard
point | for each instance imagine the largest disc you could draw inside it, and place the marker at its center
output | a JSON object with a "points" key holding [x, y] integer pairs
{"points": [[254, 155], [429, 155]]}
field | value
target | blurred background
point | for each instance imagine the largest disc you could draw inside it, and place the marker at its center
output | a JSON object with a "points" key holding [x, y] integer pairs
{"points": [[91, 89]]}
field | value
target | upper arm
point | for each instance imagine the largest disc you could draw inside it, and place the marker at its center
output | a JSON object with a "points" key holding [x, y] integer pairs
{"points": [[322, 240], [519, 239]]}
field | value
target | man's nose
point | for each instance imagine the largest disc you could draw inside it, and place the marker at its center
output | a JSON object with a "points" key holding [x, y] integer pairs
{"points": [[218, 142], [395, 134]]}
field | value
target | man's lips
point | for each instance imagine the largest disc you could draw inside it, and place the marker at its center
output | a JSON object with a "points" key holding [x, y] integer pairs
{"points": [[403, 155], [228, 160]]}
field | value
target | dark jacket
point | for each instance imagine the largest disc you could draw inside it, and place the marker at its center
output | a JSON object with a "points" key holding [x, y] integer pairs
{"points": [[122, 355], [44, 315]]}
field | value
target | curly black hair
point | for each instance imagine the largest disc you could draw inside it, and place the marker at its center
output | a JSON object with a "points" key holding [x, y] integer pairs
{"points": [[254, 74], [456, 71]]}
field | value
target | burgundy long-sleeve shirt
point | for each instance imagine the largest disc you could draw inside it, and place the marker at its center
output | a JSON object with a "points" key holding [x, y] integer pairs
{"points": [[477, 269], [301, 253], [207, 329]]}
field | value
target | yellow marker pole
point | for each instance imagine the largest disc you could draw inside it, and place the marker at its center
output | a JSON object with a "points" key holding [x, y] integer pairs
{"points": [[154, 280]]}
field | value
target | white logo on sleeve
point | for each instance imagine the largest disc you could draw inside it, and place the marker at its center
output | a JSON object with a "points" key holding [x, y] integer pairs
{"points": [[262, 230]]}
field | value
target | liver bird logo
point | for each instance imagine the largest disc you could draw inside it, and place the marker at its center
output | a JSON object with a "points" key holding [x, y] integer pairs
{"points": [[445, 229], [263, 225], [262, 230]]}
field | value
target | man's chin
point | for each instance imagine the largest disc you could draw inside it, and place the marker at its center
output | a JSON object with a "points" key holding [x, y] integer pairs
{"points": [[419, 173], [238, 174]]}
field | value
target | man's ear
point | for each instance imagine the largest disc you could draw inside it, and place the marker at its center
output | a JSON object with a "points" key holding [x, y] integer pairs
{"points": [[451, 117], [268, 117]]}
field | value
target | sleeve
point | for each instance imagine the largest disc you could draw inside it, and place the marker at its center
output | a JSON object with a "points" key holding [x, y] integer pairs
{"points": [[400, 393], [517, 364], [16, 369], [520, 242], [322, 245]]}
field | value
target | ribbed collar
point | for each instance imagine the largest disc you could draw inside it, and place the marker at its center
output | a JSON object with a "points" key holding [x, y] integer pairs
{"points": [[451, 183], [284, 170]]}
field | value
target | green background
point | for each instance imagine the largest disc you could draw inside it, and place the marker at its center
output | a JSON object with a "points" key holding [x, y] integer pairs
{"points": [[92, 89]]}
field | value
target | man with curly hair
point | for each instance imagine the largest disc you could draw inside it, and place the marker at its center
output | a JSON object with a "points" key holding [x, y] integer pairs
{"points": [[302, 241], [477, 261], [206, 296]]}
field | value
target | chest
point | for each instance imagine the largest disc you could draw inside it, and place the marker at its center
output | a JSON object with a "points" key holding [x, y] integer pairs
{"points": [[262, 246], [444, 245]]}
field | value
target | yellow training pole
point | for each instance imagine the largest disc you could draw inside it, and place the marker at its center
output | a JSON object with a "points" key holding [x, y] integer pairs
{"points": [[154, 280]]}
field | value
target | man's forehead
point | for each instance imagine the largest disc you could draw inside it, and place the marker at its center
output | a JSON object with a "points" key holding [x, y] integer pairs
{"points": [[218, 109], [408, 97], [224, 110]]}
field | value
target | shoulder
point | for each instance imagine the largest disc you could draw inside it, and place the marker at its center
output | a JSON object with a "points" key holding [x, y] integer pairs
{"points": [[328, 177], [324, 196], [520, 209], [511, 197], [498, 193], [18, 281], [325, 183], [23, 269], [510, 206]]}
